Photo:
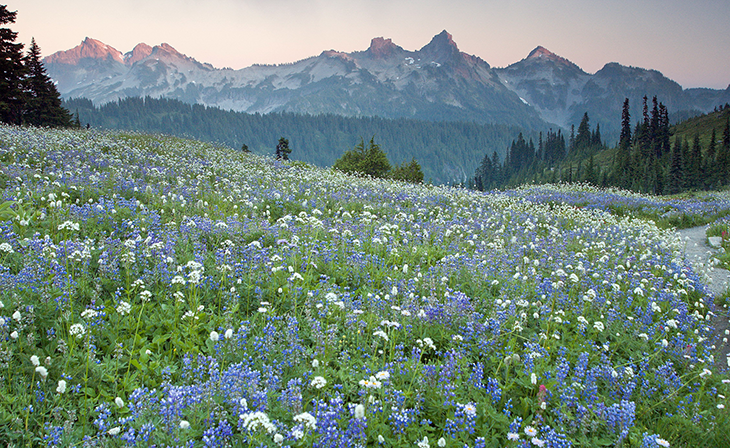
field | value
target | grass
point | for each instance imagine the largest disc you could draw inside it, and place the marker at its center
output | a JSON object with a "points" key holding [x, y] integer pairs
{"points": [[165, 292]]}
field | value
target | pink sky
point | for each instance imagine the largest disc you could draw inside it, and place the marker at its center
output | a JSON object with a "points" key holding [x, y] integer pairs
{"points": [[687, 41]]}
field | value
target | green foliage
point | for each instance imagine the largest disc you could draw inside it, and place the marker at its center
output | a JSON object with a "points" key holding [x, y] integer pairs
{"points": [[12, 71], [282, 149], [369, 160], [643, 161], [43, 102], [410, 172], [445, 150], [166, 243], [28, 95]]}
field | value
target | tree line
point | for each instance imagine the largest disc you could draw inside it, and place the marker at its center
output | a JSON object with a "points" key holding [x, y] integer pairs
{"points": [[28, 95], [647, 159], [526, 162], [448, 152]]}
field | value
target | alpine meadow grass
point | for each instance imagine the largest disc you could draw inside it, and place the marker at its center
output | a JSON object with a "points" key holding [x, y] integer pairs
{"points": [[162, 292]]}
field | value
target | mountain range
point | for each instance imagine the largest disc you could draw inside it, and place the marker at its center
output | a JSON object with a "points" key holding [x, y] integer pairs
{"points": [[438, 82]]}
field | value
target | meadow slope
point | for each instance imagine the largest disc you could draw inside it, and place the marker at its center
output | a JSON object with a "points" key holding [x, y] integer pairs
{"points": [[164, 292]]}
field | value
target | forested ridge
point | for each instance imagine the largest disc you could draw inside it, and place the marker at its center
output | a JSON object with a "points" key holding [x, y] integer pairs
{"points": [[448, 152], [652, 156]]}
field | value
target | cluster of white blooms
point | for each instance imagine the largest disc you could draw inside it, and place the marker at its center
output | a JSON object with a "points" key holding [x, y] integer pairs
{"points": [[371, 383], [255, 420], [426, 343], [124, 308], [77, 330], [318, 382], [359, 411], [389, 323], [307, 419], [70, 225], [381, 334], [89, 313]]}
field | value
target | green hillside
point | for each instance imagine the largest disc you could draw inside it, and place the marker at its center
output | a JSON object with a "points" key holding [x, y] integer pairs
{"points": [[448, 152], [703, 125], [653, 157]]}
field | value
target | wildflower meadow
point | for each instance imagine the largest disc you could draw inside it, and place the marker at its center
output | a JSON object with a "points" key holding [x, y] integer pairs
{"points": [[163, 292]]}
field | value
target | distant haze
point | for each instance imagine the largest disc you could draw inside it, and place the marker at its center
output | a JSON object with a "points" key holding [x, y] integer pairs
{"points": [[686, 41]]}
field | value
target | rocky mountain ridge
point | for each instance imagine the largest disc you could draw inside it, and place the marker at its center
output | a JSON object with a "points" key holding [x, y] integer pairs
{"points": [[436, 82]]}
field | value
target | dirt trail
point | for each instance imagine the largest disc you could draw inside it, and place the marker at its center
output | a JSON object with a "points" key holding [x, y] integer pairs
{"points": [[698, 252]]}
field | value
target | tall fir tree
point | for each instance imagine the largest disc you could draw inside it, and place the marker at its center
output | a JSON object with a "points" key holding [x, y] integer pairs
{"points": [[723, 156], [695, 164], [622, 175], [43, 102], [583, 137], [676, 169], [711, 162], [11, 71], [282, 149]]}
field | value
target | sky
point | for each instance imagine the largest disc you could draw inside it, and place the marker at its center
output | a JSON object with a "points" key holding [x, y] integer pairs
{"points": [[687, 41]]}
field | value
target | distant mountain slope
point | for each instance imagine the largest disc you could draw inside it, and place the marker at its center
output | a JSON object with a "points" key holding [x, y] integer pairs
{"points": [[437, 82], [448, 152], [562, 92]]}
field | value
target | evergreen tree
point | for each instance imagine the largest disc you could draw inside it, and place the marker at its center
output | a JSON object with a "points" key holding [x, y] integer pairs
{"points": [[43, 102], [370, 160], [583, 137], [695, 164], [723, 156], [596, 136], [571, 140], [625, 139], [710, 166], [11, 71], [676, 169], [376, 163], [410, 172], [622, 163], [591, 175], [282, 149]]}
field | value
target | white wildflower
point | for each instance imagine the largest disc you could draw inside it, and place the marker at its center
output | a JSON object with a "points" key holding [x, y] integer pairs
{"points": [[308, 419], [253, 420], [77, 330], [318, 382], [359, 411]]}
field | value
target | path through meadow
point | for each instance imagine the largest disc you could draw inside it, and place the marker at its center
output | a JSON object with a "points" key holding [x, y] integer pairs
{"points": [[699, 253]]}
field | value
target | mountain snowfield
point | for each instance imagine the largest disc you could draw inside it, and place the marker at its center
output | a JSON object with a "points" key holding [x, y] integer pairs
{"points": [[437, 82]]}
